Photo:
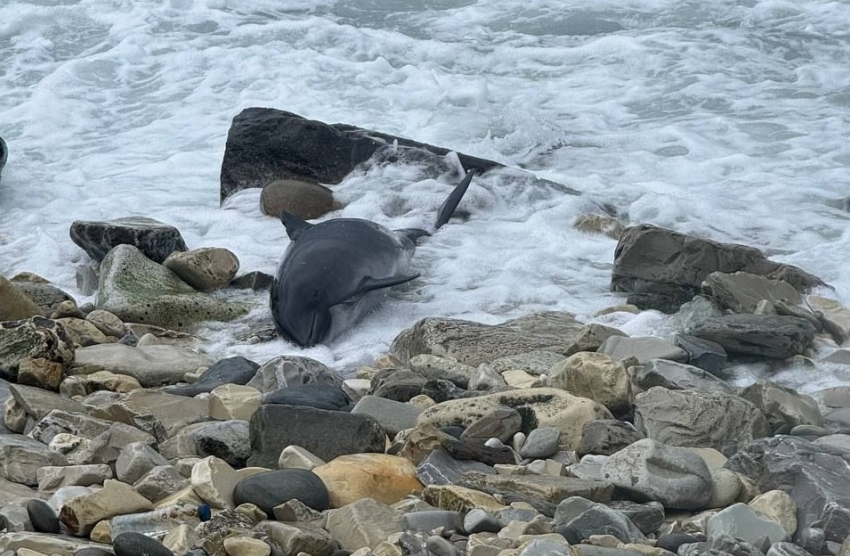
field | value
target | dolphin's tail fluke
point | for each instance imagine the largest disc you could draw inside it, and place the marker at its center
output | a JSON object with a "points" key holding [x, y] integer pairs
{"points": [[450, 204]]}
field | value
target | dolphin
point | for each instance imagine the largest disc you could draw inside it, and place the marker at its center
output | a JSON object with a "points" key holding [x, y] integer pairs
{"points": [[335, 272]]}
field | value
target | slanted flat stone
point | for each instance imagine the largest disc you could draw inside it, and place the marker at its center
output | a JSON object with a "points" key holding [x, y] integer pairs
{"points": [[80, 514], [231, 370], [153, 238], [136, 459], [743, 523], [544, 487], [231, 401], [291, 370], [459, 498], [741, 291], [433, 367], [365, 523], [14, 303], [607, 436], [150, 365], [213, 480], [783, 406], [42, 543], [643, 348], [834, 317], [37, 403], [157, 412], [678, 376], [708, 356], [535, 363], [21, 457], [78, 424], [55, 477], [777, 336], [204, 269]]}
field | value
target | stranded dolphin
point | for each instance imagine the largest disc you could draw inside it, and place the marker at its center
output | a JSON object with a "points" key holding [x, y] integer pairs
{"points": [[335, 272]]}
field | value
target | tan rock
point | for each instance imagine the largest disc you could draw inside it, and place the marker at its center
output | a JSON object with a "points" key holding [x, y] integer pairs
{"points": [[518, 378], [599, 224], [101, 532], [41, 372], [80, 514], [422, 401], [183, 496], [30, 552], [232, 401], [381, 477], [303, 199], [460, 499], [296, 457], [296, 538], [595, 376], [246, 546], [834, 316], [421, 441], [85, 384], [14, 415], [15, 304], [59, 545], [727, 488], [213, 480], [204, 269], [778, 506], [181, 539], [106, 322], [84, 333], [366, 522]]}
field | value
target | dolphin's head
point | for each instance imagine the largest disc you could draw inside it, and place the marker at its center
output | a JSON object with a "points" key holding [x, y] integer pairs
{"points": [[303, 316]]}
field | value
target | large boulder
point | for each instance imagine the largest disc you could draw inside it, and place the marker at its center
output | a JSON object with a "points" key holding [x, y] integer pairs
{"points": [[716, 420], [778, 336], [137, 289], [264, 145], [155, 239], [473, 343], [649, 258], [814, 475]]}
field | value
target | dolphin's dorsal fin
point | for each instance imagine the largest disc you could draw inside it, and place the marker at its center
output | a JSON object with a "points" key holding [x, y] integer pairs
{"points": [[450, 204], [294, 225]]}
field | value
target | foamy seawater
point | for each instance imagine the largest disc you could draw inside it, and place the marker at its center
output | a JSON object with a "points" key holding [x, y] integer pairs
{"points": [[725, 119]]}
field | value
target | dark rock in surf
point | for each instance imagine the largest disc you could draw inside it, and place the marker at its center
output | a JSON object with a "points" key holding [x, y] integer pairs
{"points": [[777, 336], [231, 370], [155, 239]]}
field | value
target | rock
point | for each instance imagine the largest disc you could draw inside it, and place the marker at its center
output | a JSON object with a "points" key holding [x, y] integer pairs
{"points": [[22, 457], [318, 395], [642, 348], [84, 333], [327, 434], [231, 370], [365, 523], [204, 269], [543, 487], [474, 343], [480, 521], [597, 519], [35, 338], [136, 544], [298, 538], [397, 384], [428, 520], [672, 541], [382, 477], [606, 436], [264, 144], [37, 403], [535, 363], [136, 289], [80, 514], [647, 517], [707, 355], [596, 376], [778, 336], [246, 546], [14, 303], [393, 416], [538, 407], [296, 457], [151, 365], [741, 291], [459, 498], [291, 370], [55, 477], [224, 524], [45, 295], [788, 549], [833, 316], [136, 459], [31, 544], [599, 224], [272, 488], [432, 367], [741, 522], [542, 442], [42, 516], [783, 407], [703, 419], [153, 411], [154, 239], [439, 468], [501, 423], [106, 322], [779, 506], [160, 482], [675, 477], [306, 200], [231, 401], [813, 475], [678, 376], [83, 385], [648, 254], [255, 280]]}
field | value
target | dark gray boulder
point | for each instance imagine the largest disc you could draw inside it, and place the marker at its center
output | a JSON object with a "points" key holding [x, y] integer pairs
{"points": [[136, 544], [814, 475], [270, 489], [231, 370], [649, 258], [318, 395], [705, 354], [327, 434], [265, 144], [777, 336], [155, 239]]}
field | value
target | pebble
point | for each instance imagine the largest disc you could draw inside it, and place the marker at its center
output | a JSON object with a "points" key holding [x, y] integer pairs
{"points": [[136, 544], [42, 516]]}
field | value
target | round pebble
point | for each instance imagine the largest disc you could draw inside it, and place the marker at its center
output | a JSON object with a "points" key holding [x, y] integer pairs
{"points": [[438, 546], [542, 442], [480, 521], [42, 516], [270, 489], [137, 544]]}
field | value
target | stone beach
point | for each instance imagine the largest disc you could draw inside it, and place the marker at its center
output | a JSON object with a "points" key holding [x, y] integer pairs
{"points": [[539, 436]]}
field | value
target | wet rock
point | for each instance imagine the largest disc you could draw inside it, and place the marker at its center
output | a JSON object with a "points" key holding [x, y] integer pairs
{"points": [[272, 488], [741, 291], [701, 419], [833, 316], [156, 240], [777, 336], [305, 200], [255, 280], [151, 365], [136, 289], [596, 376], [204, 269], [675, 477], [474, 343], [382, 477], [678, 376], [231, 370], [35, 338], [707, 355]]}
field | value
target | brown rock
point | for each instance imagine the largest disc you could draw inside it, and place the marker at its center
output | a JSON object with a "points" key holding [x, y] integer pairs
{"points": [[14, 304], [303, 199], [382, 477]]}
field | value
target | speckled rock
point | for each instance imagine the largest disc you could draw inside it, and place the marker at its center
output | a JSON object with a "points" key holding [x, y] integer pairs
{"points": [[156, 240], [204, 269], [35, 338], [595, 376]]}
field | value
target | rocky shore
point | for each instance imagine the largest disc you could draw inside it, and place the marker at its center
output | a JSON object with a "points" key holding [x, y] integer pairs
{"points": [[539, 436]]}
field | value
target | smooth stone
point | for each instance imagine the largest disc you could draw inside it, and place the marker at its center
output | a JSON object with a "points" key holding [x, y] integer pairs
{"points": [[231, 370], [305, 200], [392, 415], [480, 521], [151, 366], [672, 541], [606, 436], [705, 354], [42, 516], [439, 468], [643, 348], [596, 376], [381, 477], [741, 522], [317, 395], [272, 488], [542, 442], [214, 481], [204, 269], [438, 546], [779, 506], [590, 338], [501, 423], [137, 544], [741, 291]]}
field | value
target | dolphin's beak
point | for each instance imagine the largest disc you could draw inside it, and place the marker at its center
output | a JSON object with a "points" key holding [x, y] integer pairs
{"points": [[309, 330]]}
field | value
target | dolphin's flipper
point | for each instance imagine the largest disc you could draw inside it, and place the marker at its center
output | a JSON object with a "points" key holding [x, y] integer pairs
{"points": [[368, 284], [294, 225], [450, 204], [411, 235]]}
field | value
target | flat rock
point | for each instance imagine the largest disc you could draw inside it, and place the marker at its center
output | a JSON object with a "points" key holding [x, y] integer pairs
{"points": [[596, 376], [814, 475], [642, 348], [137, 289], [392, 415], [535, 363], [782, 406], [37, 403], [381, 477], [231, 370], [439, 468], [318, 395], [743, 523], [678, 376], [80, 514], [365, 523], [231, 401], [538, 407], [327, 434], [21, 458], [433, 367], [544, 487], [777, 336], [459, 498], [675, 477], [151, 365], [701, 419], [707, 355], [204, 269], [156, 412], [155, 239], [741, 292], [501, 423], [474, 343], [42, 543], [607, 436]]}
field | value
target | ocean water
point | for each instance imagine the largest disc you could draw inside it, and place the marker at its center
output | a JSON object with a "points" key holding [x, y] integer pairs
{"points": [[729, 120]]}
